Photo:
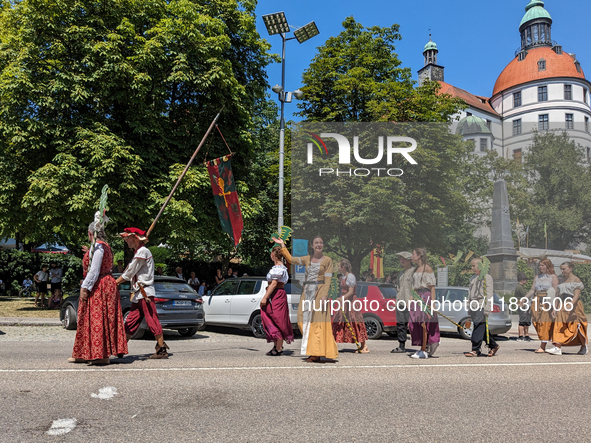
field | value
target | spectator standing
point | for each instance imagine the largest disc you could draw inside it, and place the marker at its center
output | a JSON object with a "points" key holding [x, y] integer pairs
{"points": [[235, 274], [229, 274], [179, 273], [219, 278], [41, 280], [118, 268], [201, 290], [1, 286], [194, 281], [159, 271], [55, 275]]}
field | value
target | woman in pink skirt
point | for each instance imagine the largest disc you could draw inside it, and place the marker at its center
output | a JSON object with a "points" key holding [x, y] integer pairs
{"points": [[274, 306]]}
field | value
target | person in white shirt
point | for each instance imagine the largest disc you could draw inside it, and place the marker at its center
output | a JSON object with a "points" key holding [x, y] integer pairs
{"points": [[179, 273], [41, 280], [194, 281], [141, 274]]}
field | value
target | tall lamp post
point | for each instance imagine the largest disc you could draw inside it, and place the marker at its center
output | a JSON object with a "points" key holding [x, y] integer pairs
{"points": [[276, 23]]}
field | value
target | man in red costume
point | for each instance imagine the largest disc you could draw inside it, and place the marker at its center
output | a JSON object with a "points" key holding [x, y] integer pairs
{"points": [[141, 274]]}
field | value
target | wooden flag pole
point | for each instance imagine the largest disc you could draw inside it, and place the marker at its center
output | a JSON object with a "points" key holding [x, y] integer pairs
{"points": [[184, 172]]}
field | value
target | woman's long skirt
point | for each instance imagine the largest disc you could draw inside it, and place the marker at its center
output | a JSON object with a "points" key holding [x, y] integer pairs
{"points": [[100, 332], [275, 316], [418, 316]]}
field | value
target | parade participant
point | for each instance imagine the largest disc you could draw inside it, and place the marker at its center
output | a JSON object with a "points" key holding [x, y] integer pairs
{"points": [[424, 328], [313, 319], [479, 308], [274, 306], [141, 274], [99, 332], [41, 278], [404, 285], [348, 325], [570, 327], [543, 289], [524, 309]]}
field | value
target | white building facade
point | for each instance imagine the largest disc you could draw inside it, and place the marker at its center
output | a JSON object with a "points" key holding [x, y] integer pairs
{"points": [[542, 88]]}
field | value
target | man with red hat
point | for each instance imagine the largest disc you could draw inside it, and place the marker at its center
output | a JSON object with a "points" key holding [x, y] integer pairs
{"points": [[141, 274]]}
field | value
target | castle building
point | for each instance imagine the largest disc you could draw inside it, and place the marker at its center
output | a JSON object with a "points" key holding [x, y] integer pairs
{"points": [[542, 88]]}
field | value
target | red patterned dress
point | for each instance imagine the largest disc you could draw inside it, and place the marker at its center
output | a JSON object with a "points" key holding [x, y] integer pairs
{"points": [[340, 330], [100, 330]]}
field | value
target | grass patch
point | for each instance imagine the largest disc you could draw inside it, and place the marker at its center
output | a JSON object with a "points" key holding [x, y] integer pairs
{"points": [[22, 307]]}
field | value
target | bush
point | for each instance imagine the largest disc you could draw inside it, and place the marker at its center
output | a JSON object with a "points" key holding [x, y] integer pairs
{"points": [[583, 271], [529, 272]]}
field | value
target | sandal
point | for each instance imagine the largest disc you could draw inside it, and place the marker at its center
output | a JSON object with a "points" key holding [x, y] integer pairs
{"points": [[398, 351], [493, 351], [540, 351], [313, 359], [273, 351], [362, 351], [471, 354]]}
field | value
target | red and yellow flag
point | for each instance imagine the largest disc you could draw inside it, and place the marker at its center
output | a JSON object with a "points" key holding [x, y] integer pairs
{"points": [[376, 262]]}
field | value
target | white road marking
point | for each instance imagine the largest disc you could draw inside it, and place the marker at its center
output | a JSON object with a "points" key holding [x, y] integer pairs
{"points": [[105, 393], [309, 367], [62, 426]]}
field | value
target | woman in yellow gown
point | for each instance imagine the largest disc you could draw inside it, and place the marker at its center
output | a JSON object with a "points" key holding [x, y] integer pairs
{"points": [[314, 309]]}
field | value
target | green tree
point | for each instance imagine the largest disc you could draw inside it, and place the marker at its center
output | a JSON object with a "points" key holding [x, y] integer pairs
{"points": [[120, 92], [357, 77], [560, 191]]}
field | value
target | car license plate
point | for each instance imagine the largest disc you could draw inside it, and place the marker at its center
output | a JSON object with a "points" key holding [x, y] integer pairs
{"points": [[181, 303]]}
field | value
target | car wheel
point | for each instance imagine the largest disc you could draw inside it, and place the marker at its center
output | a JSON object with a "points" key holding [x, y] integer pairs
{"points": [[373, 327], [256, 326], [70, 319], [139, 333], [392, 334], [466, 333], [188, 332]]}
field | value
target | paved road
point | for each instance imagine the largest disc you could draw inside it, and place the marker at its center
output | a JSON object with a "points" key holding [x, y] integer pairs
{"points": [[219, 386]]}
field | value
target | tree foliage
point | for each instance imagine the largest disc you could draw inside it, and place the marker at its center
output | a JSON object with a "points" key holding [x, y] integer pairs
{"points": [[120, 92]]}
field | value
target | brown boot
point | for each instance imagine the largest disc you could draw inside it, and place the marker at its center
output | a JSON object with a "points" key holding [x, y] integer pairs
{"points": [[160, 351]]}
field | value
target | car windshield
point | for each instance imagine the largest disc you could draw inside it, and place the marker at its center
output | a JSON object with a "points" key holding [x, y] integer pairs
{"points": [[388, 291], [173, 286]]}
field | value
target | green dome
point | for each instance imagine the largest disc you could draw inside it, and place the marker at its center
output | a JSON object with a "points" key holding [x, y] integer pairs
{"points": [[472, 125], [534, 10], [430, 46]]}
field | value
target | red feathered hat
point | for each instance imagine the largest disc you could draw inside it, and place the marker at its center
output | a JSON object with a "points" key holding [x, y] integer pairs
{"points": [[141, 235]]}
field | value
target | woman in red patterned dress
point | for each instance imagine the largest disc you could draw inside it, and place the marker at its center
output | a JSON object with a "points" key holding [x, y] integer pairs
{"points": [[341, 331], [100, 332]]}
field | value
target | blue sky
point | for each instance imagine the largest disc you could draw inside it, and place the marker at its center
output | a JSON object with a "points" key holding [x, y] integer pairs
{"points": [[476, 39]]}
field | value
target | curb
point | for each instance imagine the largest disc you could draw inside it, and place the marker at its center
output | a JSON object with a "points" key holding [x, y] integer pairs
{"points": [[32, 321]]}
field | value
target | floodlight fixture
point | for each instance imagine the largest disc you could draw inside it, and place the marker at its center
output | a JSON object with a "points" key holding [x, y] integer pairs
{"points": [[277, 89], [306, 32], [298, 94], [276, 23]]}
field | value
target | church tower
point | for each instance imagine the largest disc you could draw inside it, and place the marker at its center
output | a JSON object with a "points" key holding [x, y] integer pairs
{"points": [[431, 71]]}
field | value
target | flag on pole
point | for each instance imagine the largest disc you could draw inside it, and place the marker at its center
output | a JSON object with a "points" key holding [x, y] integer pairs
{"points": [[226, 197], [376, 262], [546, 235]]}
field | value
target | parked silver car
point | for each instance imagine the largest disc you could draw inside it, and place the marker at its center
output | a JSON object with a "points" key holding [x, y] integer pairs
{"points": [[236, 303], [499, 321]]}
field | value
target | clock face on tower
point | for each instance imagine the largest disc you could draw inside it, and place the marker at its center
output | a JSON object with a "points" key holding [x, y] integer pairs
{"points": [[436, 74]]}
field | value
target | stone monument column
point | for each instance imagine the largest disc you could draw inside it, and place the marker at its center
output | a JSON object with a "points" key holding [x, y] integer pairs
{"points": [[501, 250]]}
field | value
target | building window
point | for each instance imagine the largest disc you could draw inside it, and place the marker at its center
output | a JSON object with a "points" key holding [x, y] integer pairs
{"points": [[516, 99], [542, 65], [468, 114], [488, 124], [483, 145], [543, 122], [543, 93], [517, 127], [587, 125], [517, 155], [570, 124], [568, 92], [588, 154], [585, 95], [578, 66]]}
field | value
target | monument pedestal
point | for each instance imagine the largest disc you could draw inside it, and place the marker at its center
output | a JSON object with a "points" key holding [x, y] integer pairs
{"points": [[501, 252]]}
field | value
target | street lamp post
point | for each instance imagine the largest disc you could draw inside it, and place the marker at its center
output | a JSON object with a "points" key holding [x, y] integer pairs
{"points": [[276, 23]]}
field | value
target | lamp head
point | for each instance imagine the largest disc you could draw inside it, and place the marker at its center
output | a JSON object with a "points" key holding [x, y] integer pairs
{"points": [[277, 89], [298, 94]]}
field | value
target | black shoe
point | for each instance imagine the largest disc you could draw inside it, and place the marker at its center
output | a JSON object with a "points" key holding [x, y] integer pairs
{"points": [[398, 350], [527, 338], [160, 351], [520, 338]]}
